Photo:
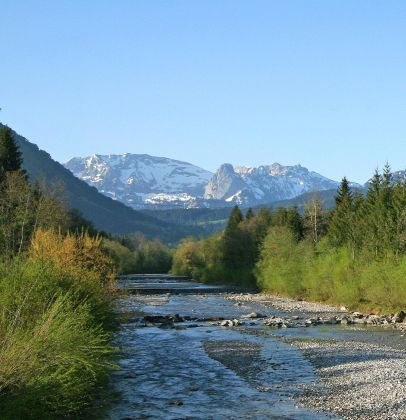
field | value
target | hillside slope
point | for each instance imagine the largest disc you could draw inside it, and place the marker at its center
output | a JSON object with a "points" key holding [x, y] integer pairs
{"points": [[106, 214]]}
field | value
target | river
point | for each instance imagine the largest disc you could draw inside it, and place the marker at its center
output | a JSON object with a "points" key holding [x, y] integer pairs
{"points": [[194, 368]]}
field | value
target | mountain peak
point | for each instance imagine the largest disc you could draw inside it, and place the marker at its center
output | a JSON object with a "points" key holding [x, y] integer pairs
{"points": [[141, 180]]}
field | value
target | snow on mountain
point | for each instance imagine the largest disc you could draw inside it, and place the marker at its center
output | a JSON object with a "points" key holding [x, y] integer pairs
{"points": [[264, 184], [142, 180], [147, 181]]}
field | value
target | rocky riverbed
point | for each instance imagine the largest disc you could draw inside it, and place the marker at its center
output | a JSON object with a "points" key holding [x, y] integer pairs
{"points": [[357, 380], [256, 356]]}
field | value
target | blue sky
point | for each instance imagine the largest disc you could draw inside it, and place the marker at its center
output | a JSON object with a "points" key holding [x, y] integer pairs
{"points": [[321, 83]]}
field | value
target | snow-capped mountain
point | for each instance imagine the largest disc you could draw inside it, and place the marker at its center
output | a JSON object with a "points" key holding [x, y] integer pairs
{"points": [[264, 184], [144, 181]]}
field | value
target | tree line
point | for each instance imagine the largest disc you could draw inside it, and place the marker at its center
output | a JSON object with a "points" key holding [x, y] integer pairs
{"points": [[354, 254]]}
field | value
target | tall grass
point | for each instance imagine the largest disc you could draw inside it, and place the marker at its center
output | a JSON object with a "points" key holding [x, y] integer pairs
{"points": [[54, 328], [332, 275]]}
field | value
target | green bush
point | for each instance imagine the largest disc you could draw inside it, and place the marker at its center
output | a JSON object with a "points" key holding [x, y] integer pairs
{"points": [[330, 274], [54, 339]]}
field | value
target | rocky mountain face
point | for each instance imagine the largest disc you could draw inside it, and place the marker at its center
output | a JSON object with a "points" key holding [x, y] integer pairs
{"points": [[264, 184], [224, 184], [144, 181]]}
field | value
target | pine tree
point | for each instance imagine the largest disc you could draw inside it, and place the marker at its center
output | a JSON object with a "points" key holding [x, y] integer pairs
{"points": [[295, 223], [379, 214], [234, 246], [249, 215], [10, 155], [235, 218], [387, 176], [344, 193], [375, 186], [341, 220], [387, 186]]}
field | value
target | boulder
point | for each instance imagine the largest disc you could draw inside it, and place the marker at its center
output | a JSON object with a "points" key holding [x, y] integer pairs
{"points": [[374, 320], [230, 323], [253, 315], [330, 321], [356, 320], [312, 321], [398, 317], [277, 323]]}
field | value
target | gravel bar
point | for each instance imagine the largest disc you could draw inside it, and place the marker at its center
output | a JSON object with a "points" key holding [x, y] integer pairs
{"points": [[357, 380], [285, 303]]}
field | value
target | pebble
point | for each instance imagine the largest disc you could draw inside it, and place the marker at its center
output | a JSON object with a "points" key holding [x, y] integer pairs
{"points": [[358, 380]]}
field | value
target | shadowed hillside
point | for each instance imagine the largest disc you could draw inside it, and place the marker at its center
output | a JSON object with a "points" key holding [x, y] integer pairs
{"points": [[106, 214]]}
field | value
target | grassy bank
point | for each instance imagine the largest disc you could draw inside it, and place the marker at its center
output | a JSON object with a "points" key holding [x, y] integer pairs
{"points": [[331, 275], [55, 323]]}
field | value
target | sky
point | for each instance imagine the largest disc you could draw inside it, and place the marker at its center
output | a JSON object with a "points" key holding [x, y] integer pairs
{"points": [[320, 83]]}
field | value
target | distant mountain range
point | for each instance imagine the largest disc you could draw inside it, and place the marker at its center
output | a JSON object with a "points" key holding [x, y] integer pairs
{"points": [[144, 181], [173, 199]]}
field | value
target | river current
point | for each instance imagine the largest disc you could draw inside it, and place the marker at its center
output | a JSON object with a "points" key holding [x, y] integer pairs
{"points": [[201, 370]]}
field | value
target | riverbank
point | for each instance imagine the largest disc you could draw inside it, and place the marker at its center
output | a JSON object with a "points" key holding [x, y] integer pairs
{"points": [[321, 313], [362, 373]]}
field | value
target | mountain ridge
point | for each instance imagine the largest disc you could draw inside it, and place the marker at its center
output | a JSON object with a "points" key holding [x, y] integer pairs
{"points": [[135, 179], [146, 181]]}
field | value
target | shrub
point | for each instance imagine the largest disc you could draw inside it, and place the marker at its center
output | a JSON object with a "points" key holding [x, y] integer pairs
{"points": [[54, 342]]}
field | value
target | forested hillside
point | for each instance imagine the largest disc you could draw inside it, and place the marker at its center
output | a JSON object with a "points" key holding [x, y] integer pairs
{"points": [[106, 214]]}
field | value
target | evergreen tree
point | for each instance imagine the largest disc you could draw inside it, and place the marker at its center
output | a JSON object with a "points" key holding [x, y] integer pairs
{"points": [[235, 218], [344, 193], [399, 209], [249, 215], [387, 177], [375, 185], [379, 215], [387, 186], [234, 245], [340, 220], [289, 218], [259, 227], [10, 155], [295, 223]]}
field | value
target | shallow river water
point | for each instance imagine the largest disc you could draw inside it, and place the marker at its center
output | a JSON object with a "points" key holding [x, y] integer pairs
{"points": [[201, 370]]}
